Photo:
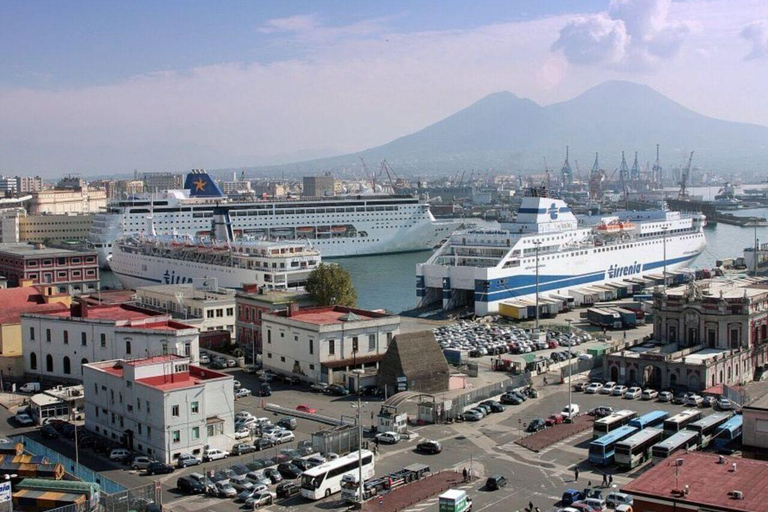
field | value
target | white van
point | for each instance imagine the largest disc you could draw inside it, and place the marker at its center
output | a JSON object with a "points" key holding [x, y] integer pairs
{"points": [[30, 387]]}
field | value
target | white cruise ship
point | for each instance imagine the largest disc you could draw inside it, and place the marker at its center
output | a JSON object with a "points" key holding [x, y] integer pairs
{"points": [[139, 260], [481, 268], [336, 226]]}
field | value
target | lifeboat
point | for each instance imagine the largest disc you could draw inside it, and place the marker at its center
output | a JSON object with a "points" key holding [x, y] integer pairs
{"points": [[305, 229], [616, 226], [339, 229]]}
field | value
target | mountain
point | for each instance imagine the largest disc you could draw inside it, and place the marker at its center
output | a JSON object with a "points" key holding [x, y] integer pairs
{"points": [[508, 133]]}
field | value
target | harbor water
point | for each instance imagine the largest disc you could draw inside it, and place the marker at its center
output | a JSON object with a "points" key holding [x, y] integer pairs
{"points": [[388, 281]]}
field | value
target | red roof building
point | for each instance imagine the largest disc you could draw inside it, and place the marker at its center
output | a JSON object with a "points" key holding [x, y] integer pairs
{"points": [[702, 482]]}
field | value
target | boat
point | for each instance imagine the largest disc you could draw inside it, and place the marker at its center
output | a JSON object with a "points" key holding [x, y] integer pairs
{"points": [[145, 260], [481, 268], [345, 225]]}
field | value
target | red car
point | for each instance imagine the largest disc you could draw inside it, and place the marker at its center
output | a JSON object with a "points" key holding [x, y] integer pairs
{"points": [[555, 419], [306, 408]]}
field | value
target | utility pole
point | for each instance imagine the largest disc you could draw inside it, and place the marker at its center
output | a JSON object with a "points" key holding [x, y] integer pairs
{"points": [[537, 243], [664, 230], [570, 366]]}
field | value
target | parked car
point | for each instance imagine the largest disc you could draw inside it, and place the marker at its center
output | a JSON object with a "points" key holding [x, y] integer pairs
{"points": [[494, 405], [607, 388], [694, 400], [231, 363], [337, 390], [305, 408], [536, 425], [249, 370], [580, 386], [600, 411], [24, 419], [273, 474], [615, 499], [570, 411], [243, 415], [554, 419], [666, 396], [571, 496], [472, 415], [289, 470], [214, 454], [260, 500], [189, 485], [141, 462], [48, 432], [159, 468], [593, 388], [237, 384], [429, 446], [283, 436], [319, 387], [495, 482], [243, 392], [119, 454], [218, 365], [510, 399], [724, 404], [242, 433], [388, 437], [633, 392], [287, 423], [649, 394], [619, 390], [287, 489], [265, 390], [597, 504], [225, 489], [242, 449], [263, 443], [485, 409]]}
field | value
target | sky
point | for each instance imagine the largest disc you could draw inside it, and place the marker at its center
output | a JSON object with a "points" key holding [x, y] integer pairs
{"points": [[101, 87]]}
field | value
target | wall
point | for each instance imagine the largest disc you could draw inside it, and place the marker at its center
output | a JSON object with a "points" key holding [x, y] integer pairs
{"points": [[38, 228], [755, 431]]}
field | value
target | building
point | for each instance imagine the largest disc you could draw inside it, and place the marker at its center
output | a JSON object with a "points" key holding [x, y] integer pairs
{"points": [[58, 343], [71, 182], [318, 344], [13, 303], [755, 429], [701, 482], [71, 272], [318, 186], [414, 362], [208, 310], [236, 187], [705, 334], [162, 181], [27, 184], [55, 228], [9, 224], [160, 406], [252, 302], [60, 402], [81, 200], [7, 186]]}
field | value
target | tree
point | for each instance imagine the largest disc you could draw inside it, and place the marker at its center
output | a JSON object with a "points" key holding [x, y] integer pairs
{"points": [[331, 285]]}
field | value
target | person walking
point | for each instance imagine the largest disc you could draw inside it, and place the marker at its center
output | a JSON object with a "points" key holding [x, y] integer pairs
{"points": [[605, 480], [576, 474], [610, 480], [464, 472], [530, 506]]}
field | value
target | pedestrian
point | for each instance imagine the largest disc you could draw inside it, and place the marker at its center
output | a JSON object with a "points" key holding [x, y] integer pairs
{"points": [[530, 506], [605, 480], [576, 474], [465, 474], [610, 480], [589, 484]]}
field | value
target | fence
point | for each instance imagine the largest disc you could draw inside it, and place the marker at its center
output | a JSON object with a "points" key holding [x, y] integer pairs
{"points": [[306, 415], [71, 467], [12, 399], [342, 439], [131, 500], [462, 401]]}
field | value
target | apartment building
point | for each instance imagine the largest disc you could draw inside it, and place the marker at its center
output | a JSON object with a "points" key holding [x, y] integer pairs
{"points": [[71, 272], [160, 406]]}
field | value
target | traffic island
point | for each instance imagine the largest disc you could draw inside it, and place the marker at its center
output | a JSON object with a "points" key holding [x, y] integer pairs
{"points": [[556, 433], [410, 494]]}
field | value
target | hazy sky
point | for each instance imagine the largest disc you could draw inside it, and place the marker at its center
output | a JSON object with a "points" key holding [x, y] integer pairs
{"points": [[103, 86]]}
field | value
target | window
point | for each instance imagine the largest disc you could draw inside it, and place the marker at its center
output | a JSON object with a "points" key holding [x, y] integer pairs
{"points": [[174, 410], [83, 339], [282, 359], [149, 431], [389, 338], [67, 366], [127, 347], [138, 404], [230, 311], [331, 347], [195, 432], [311, 367], [47, 335], [128, 384], [269, 355], [49, 363], [66, 337], [195, 407], [31, 333], [209, 430], [103, 337], [209, 313], [95, 389], [176, 436], [219, 313], [371, 342], [269, 336], [32, 361], [148, 411], [311, 346], [295, 337]]}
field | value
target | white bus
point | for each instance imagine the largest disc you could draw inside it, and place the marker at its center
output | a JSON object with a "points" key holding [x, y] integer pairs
{"points": [[679, 421], [611, 422], [683, 440], [707, 427], [636, 449], [323, 480]]}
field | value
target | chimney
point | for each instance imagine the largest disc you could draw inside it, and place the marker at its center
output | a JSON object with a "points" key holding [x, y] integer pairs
{"points": [[293, 309], [250, 287], [79, 309]]}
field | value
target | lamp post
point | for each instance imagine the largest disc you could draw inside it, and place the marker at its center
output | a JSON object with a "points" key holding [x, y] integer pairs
{"points": [[536, 247], [359, 407], [754, 256], [570, 366], [664, 230]]}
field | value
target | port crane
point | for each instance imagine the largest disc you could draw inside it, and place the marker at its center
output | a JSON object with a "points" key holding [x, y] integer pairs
{"points": [[685, 176]]}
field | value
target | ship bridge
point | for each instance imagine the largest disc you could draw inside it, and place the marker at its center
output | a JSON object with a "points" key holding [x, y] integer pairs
{"points": [[542, 215]]}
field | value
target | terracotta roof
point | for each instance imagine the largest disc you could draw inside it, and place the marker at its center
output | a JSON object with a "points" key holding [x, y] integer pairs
{"points": [[332, 315], [709, 482], [16, 301]]}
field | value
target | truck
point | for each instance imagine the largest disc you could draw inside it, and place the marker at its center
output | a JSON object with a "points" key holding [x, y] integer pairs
{"points": [[628, 317], [350, 490], [604, 318], [454, 500], [409, 473], [455, 356]]}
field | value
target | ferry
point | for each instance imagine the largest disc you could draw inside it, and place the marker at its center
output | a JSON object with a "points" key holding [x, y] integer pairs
{"points": [[141, 260], [480, 268], [337, 226]]}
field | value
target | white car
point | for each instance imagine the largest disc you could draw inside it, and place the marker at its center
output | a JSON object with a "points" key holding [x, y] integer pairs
{"points": [[243, 415], [242, 433], [607, 388], [141, 462], [694, 400], [243, 392], [388, 437], [24, 419], [237, 384], [633, 392], [259, 500], [619, 390], [649, 394], [283, 436], [666, 396], [724, 404], [214, 454], [570, 411], [593, 388]]}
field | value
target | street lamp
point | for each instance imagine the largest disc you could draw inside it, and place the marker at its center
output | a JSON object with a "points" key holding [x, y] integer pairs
{"points": [[570, 366], [664, 230], [359, 407], [536, 244]]}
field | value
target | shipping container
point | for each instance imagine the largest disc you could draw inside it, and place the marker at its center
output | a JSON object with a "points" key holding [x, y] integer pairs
{"points": [[604, 318]]}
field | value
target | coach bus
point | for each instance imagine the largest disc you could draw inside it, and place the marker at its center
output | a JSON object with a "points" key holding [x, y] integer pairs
{"points": [[636, 449], [729, 432], [323, 480], [652, 419], [707, 427], [611, 422], [601, 451], [679, 421], [683, 440]]}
